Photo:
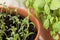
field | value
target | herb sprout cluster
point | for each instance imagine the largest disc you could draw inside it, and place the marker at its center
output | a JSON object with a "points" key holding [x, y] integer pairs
{"points": [[14, 27], [48, 11]]}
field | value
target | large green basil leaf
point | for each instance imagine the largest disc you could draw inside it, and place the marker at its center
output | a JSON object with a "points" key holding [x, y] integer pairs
{"points": [[38, 4], [55, 4], [46, 9], [46, 24], [56, 26]]}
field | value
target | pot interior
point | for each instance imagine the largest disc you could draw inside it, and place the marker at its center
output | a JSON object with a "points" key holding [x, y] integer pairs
{"points": [[6, 21]]}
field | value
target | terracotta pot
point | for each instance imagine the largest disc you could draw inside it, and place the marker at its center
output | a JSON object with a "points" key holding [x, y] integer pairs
{"points": [[24, 12], [46, 34]]}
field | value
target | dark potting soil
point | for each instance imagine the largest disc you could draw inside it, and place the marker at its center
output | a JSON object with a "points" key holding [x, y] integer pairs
{"points": [[32, 29], [9, 22]]}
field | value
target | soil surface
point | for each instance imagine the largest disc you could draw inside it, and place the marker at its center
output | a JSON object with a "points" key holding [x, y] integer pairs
{"points": [[10, 22]]}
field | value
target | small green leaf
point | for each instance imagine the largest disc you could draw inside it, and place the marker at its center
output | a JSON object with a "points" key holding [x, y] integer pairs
{"points": [[55, 4], [59, 32], [13, 29], [56, 37], [52, 33], [11, 38], [49, 16], [26, 20], [56, 26], [51, 20], [46, 24], [27, 3], [46, 9], [56, 19]]}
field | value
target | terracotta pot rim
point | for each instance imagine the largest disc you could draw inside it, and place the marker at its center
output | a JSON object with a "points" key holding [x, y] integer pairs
{"points": [[24, 12]]}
